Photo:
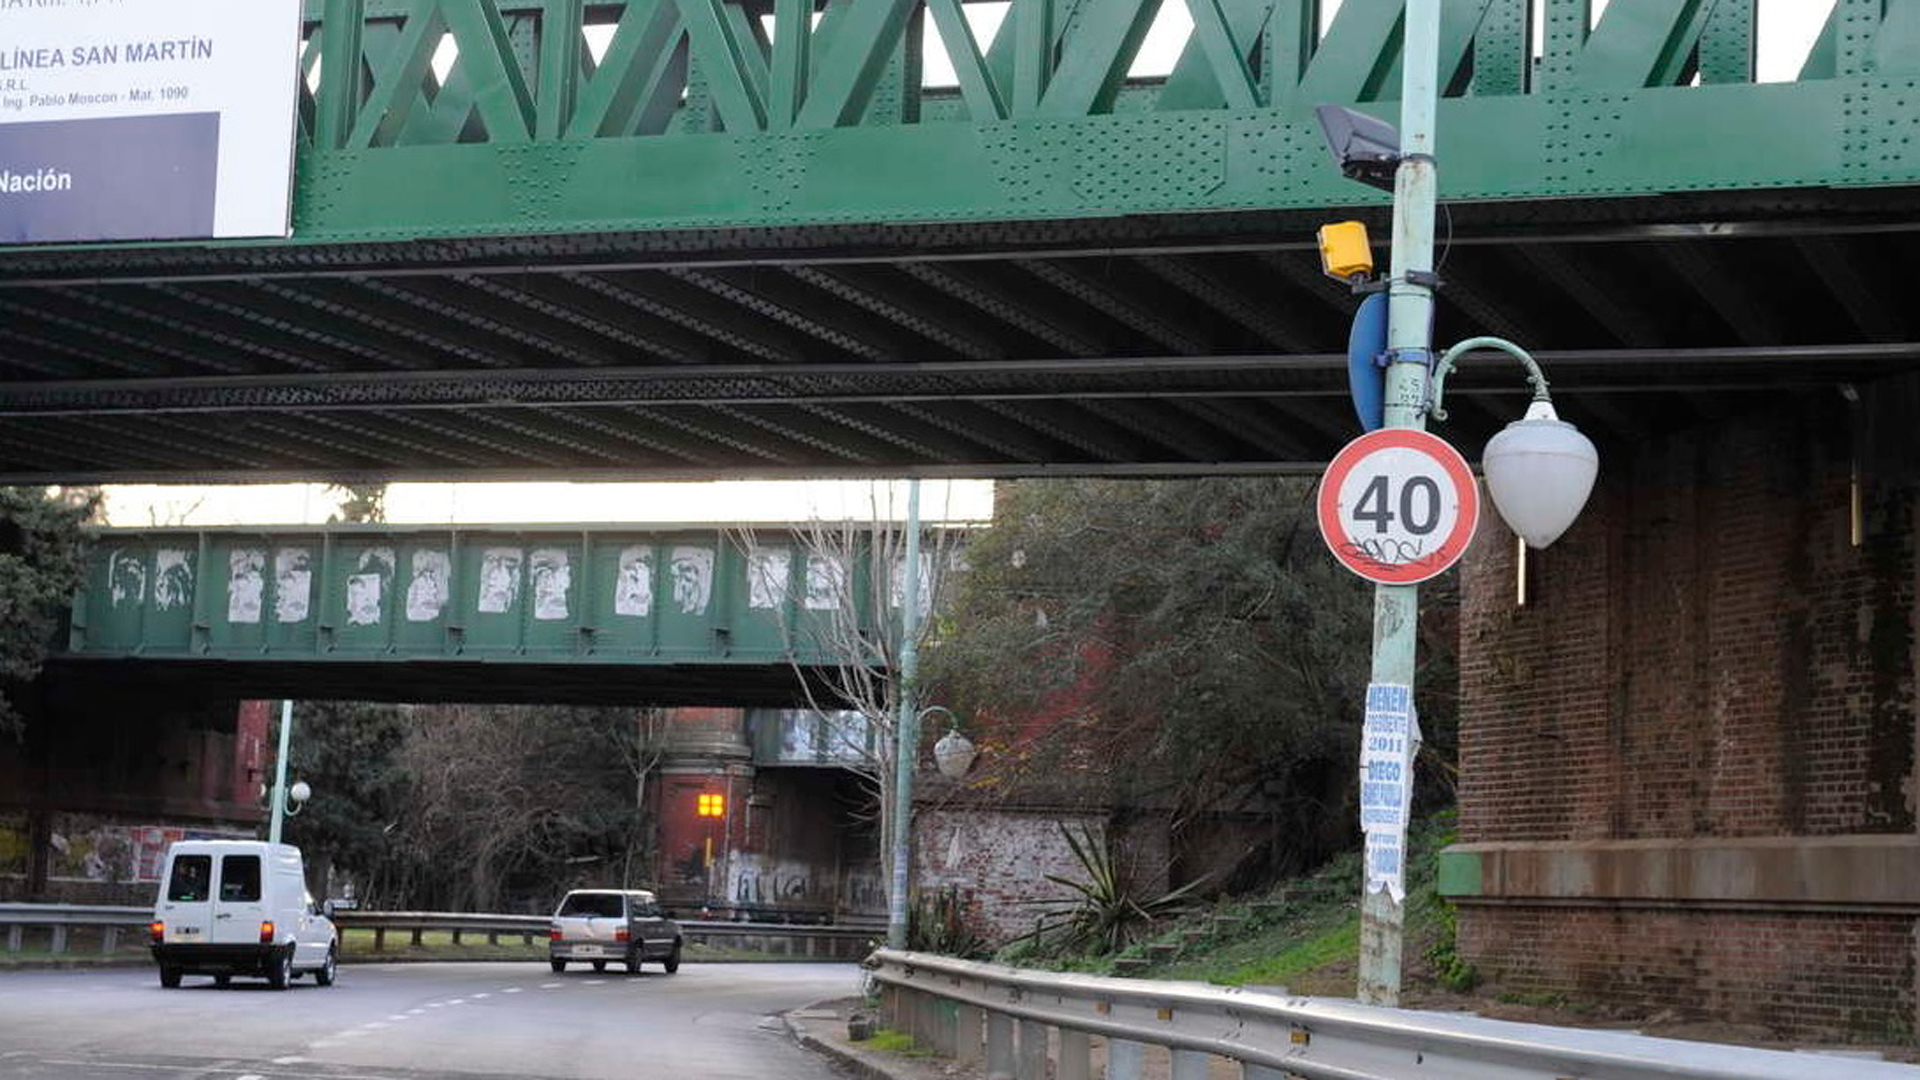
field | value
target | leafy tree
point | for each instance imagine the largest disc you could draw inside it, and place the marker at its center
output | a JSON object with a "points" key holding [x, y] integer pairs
{"points": [[349, 751], [1184, 642], [42, 563]]}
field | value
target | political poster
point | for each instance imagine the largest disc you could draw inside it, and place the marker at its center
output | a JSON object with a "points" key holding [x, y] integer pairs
{"points": [[1389, 738], [146, 119]]}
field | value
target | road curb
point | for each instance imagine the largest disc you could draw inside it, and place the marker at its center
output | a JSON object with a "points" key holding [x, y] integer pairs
{"points": [[845, 1059]]}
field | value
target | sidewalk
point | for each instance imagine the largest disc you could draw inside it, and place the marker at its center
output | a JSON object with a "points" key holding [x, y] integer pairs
{"points": [[822, 1029]]}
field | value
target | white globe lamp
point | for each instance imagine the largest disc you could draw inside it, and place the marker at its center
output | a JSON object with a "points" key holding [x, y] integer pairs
{"points": [[1540, 471]]}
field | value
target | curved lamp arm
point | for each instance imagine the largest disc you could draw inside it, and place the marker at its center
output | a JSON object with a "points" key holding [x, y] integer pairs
{"points": [[1444, 366]]}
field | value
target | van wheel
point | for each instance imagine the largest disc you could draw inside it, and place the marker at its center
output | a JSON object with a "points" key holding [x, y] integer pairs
{"points": [[672, 962], [599, 965], [558, 966], [282, 971], [170, 978], [323, 975]]}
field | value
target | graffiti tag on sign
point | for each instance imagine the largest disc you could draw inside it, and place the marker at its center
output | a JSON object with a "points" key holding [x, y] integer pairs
{"points": [[1398, 506]]}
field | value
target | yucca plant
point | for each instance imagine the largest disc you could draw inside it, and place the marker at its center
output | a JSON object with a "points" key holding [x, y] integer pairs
{"points": [[1105, 915]]}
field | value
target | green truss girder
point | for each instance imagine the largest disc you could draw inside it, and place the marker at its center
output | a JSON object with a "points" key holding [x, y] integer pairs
{"points": [[573, 594], [768, 113]]}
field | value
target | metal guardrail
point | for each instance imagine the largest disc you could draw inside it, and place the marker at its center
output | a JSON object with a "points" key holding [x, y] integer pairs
{"points": [[59, 919], [843, 942], [1007, 1016]]}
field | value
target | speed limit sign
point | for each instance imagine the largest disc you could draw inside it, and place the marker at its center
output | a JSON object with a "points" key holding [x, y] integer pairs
{"points": [[1398, 506]]}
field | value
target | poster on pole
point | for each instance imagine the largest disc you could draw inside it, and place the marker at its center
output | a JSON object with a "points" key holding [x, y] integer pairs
{"points": [[1389, 738], [147, 119]]}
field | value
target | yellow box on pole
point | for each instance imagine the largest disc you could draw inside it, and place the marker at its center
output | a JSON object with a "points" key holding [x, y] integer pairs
{"points": [[1345, 252]]}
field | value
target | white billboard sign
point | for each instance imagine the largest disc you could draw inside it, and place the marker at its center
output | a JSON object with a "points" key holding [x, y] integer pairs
{"points": [[146, 119]]}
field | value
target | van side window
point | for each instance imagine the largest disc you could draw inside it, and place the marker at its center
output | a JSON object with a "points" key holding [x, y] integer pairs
{"points": [[240, 877], [191, 874]]}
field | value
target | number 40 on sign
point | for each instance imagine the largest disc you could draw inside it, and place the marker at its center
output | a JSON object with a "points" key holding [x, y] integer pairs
{"points": [[1398, 506]]}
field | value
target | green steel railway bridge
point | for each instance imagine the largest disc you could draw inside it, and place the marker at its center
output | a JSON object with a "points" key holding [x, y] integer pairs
{"points": [[676, 238]]}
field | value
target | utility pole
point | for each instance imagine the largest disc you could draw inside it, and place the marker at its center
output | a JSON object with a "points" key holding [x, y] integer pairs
{"points": [[279, 794], [1396, 609], [906, 730]]}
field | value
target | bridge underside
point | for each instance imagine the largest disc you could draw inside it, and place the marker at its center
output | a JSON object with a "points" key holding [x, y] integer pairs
{"points": [[750, 237], [1131, 345], [69, 677]]}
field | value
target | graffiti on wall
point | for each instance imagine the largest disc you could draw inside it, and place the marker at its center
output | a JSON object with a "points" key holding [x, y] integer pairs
{"points": [[281, 583], [82, 848], [633, 585], [246, 584]]}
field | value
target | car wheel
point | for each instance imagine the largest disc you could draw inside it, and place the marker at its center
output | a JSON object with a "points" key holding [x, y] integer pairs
{"points": [[672, 962], [223, 981], [282, 971], [170, 978], [323, 975], [599, 965], [558, 966]]}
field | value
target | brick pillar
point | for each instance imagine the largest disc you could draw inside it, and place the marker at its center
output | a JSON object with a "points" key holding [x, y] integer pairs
{"points": [[706, 754]]}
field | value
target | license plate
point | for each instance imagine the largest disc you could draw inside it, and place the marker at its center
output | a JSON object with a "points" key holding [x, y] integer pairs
{"points": [[587, 950]]}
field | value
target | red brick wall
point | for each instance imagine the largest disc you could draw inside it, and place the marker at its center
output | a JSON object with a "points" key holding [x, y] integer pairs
{"points": [[999, 858], [1705, 654]]}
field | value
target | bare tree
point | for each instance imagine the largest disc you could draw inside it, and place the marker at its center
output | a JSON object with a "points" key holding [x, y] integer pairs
{"points": [[839, 589], [641, 749]]}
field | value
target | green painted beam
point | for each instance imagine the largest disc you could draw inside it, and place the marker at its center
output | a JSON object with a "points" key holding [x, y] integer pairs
{"points": [[553, 594], [695, 117]]}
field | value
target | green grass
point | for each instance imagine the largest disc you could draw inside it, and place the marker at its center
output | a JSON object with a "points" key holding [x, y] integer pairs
{"points": [[888, 1041], [1304, 934]]}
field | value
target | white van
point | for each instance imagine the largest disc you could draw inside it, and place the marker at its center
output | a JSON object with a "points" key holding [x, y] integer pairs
{"points": [[239, 907]]}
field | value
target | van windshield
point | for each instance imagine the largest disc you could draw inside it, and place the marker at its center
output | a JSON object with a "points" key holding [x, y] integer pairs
{"points": [[592, 905], [191, 874], [240, 877]]}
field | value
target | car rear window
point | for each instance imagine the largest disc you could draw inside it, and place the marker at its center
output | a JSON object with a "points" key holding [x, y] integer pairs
{"points": [[240, 877], [191, 875], [592, 905]]}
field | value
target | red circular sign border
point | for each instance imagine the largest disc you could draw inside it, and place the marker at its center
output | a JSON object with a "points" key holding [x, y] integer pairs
{"points": [[1450, 461]]}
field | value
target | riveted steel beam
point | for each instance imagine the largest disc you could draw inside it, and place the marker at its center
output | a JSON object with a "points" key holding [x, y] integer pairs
{"points": [[1856, 288], [1113, 290], [1603, 297], [1021, 308], [1217, 289]]}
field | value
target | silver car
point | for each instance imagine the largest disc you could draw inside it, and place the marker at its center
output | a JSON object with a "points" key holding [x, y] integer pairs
{"points": [[628, 925]]}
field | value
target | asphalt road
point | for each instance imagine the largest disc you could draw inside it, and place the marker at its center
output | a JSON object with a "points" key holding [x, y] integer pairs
{"points": [[418, 1022]]}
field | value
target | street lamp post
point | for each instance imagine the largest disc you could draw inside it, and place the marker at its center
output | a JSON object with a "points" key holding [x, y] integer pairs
{"points": [[1409, 348], [282, 795], [1539, 470], [906, 731]]}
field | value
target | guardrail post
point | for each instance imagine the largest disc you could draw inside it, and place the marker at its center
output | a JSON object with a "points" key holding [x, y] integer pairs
{"points": [[418, 930], [999, 1046], [13, 937], [969, 1028], [1192, 1064], [1126, 1060], [59, 938], [893, 1005], [1076, 1056], [1033, 1050], [379, 938], [943, 1022], [109, 940]]}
